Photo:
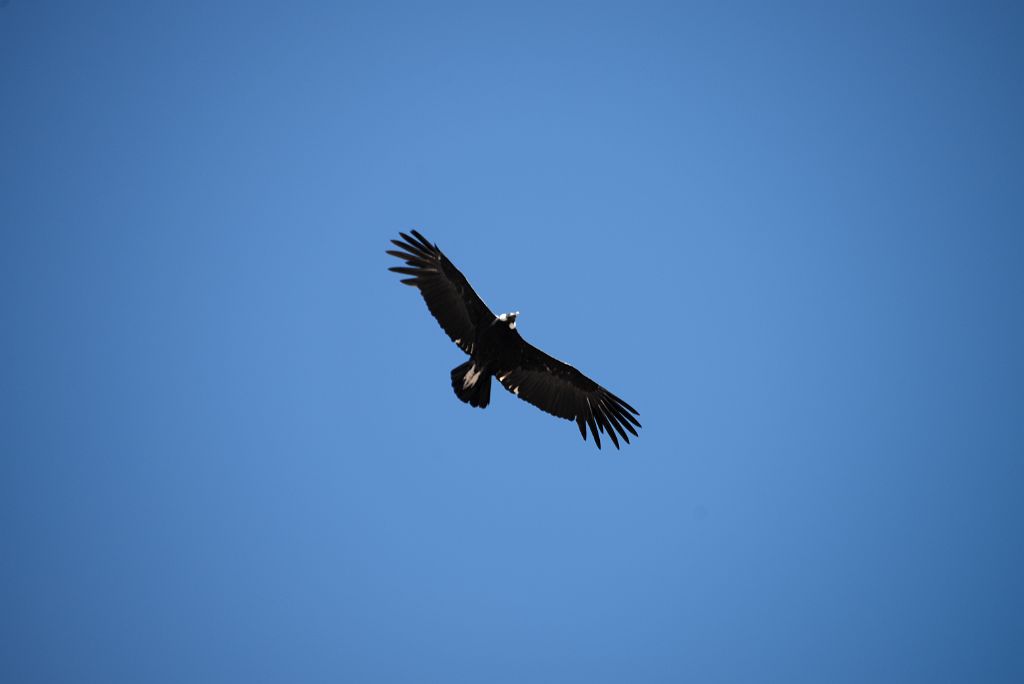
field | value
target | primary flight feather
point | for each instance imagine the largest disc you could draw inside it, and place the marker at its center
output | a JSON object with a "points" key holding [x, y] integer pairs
{"points": [[496, 349]]}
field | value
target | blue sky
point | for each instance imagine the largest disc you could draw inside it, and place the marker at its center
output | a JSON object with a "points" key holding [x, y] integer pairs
{"points": [[791, 236]]}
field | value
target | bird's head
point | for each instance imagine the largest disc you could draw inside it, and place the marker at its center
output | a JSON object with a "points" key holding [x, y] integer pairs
{"points": [[509, 319]]}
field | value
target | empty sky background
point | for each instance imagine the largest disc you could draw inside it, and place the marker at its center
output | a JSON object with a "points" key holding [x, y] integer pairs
{"points": [[791, 236]]}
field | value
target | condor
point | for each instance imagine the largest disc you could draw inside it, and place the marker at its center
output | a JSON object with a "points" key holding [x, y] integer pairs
{"points": [[496, 349]]}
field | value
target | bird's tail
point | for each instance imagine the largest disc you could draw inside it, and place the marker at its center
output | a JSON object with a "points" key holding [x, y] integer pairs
{"points": [[472, 384]]}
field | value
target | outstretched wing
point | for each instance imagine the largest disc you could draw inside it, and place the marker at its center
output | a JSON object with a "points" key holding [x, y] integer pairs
{"points": [[561, 390], [446, 291]]}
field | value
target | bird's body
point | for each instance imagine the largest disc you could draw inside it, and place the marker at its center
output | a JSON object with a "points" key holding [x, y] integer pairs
{"points": [[496, 349], [493, 347]]}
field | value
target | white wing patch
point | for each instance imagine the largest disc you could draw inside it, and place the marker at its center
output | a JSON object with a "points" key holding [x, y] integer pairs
{"points": [[472, 375]]}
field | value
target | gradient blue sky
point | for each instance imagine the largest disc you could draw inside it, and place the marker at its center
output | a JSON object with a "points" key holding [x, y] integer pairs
{"points": [[791, 236]]}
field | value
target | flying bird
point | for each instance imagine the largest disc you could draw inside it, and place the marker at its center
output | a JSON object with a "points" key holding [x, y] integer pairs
{"points": [[496, 349]]}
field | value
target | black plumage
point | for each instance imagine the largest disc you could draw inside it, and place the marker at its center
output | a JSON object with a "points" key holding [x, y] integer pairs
{"points": [[496, 349]]}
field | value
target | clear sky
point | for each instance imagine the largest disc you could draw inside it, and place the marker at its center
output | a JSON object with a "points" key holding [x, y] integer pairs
{"points": [[791, 236]]}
